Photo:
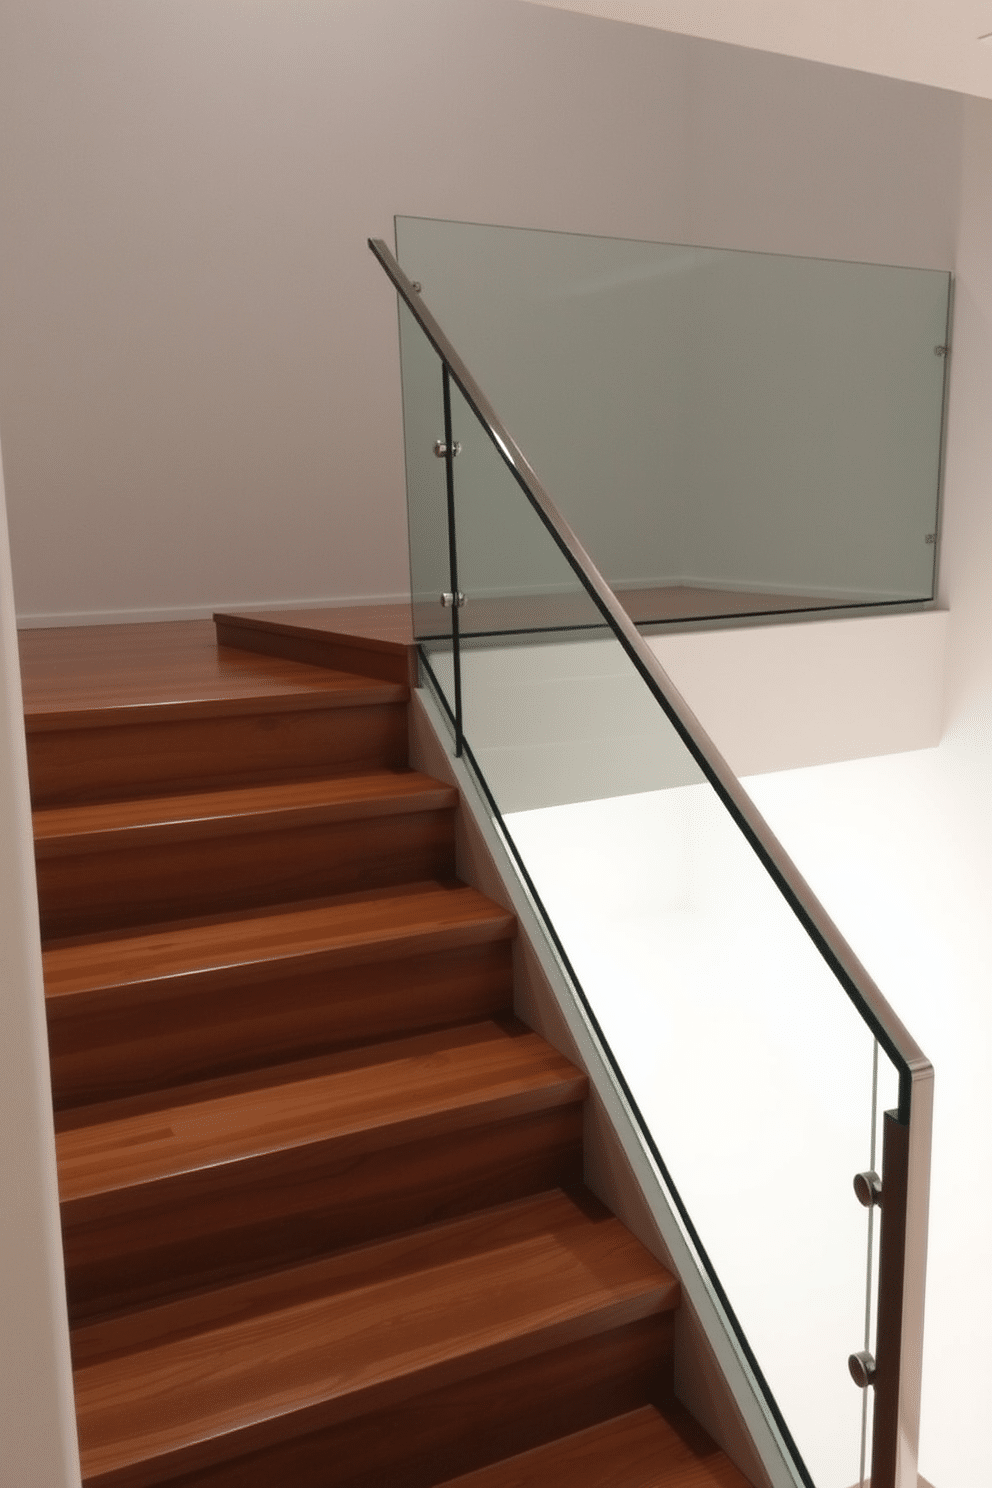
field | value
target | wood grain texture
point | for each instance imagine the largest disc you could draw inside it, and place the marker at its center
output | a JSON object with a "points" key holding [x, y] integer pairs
{"points": [[322, 1208], [642, 1449], [265, 1377], [175, 750], [91, 670], [121, 710], [376, 641], [251, 1173], [396, 1092], [140, 862], [308, 1204], [471, 1421], [140, 1013], [64, 831], [338, 932], [321, 645], [552, 1211]]}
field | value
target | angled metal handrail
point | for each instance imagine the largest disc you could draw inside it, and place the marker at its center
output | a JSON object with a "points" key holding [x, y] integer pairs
{"points": [[906, 1184]]}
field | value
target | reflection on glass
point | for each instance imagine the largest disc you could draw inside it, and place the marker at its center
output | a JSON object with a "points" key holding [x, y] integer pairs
{"points": [[756, 1078], [729, 433], [751, 1069]]}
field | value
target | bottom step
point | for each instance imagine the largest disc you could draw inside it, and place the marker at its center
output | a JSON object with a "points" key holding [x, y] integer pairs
{"points": [[643, 1449], [245, 1384]]}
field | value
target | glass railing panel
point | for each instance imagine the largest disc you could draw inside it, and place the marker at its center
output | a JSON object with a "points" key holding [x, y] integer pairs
{"points": [[423, 425], [756, 1053], [751, 1068], [730, 433]]}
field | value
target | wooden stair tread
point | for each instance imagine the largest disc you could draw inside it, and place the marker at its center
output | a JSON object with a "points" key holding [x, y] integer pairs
{"points": [[332, 1357], [363, 1265], [387, 1094], [373, 639], [67, 829], [641, 1449], [96, 675], [436, 916]]}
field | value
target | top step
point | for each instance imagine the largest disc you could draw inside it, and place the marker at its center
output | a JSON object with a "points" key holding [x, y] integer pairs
{"points": [[118, 711], [374, 640], [74, 672]]}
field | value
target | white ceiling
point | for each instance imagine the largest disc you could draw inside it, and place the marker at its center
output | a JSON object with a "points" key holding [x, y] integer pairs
{"points": [[922, 41]]}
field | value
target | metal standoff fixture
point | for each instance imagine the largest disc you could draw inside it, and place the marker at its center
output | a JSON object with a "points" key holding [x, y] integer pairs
{"points": [[863, 1368], [868, 1189], [441, 449], [452, 601]]}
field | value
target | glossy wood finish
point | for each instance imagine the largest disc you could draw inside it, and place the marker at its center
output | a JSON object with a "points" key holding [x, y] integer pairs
{"points": [[303, 1203], [357, 1101], [147, 1011], [116, 711], [441, 1243], [322, 1205], [643, 1449], [185, 749], [473, 1420], [191, 1187], [141, 861], [92, 670], [270, 1375], [374, 640]]}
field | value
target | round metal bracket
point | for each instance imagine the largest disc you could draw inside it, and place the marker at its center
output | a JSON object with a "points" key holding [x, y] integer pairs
{"points": [[452, 601], [441, 449], [863, 1369], [868, 1189]]}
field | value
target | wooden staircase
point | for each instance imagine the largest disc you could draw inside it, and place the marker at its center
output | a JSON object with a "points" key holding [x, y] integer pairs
{"points": [[322, 1200]]}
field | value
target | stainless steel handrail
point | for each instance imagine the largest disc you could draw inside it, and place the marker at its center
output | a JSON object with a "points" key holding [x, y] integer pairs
{"points": [[897, 1390]]}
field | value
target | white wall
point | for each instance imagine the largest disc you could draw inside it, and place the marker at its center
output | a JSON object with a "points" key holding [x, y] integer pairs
{"points": [[198, 392], [572, 721], [37, 1420], [929, 41]]}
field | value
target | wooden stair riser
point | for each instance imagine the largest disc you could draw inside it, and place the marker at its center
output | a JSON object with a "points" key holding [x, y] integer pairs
{"points": [[72, 765], [347, 654], [457, 1427], [268, 1376], [643, 1448], [210, 1227], [82, 892], [122, 1041]]}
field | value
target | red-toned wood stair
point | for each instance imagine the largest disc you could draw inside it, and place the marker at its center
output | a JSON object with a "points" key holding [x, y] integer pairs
{"points": [[322, 1199]]}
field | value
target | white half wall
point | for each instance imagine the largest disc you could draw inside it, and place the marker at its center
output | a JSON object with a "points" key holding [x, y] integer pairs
{"points": [[776, 697], [572, 721]]}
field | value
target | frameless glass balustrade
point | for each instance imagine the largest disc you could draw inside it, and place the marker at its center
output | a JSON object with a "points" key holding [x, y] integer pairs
{"points": [[764, 1068], [730, 433]]}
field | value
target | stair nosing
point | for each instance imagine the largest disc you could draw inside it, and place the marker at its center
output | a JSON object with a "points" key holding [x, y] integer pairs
{"points": [[358, 692], [372, 942], [605, 1279], [205, 814], [530, 1089]]}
